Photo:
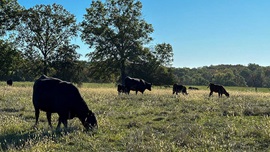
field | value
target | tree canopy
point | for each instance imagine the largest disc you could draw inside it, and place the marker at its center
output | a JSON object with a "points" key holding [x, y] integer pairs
{"points": [[164, 54], [45, 29], [117, 32], [10, 14], [10, 60]]}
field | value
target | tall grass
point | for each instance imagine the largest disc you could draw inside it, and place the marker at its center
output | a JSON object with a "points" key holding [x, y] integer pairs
{"points": [[154, 121]]}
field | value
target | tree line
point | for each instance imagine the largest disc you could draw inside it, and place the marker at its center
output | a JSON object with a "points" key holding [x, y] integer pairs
{"points": [[252, 75], [38, 41]]}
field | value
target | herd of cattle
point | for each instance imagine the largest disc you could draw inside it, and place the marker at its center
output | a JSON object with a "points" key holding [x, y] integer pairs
{"points": [[141, 85], [53, 95]]}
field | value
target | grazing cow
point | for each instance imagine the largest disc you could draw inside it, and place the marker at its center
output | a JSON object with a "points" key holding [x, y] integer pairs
{"points": [[193, 88], [217, 88], [179, 88], [9, 82], [121, 89], [53, 95], [136, 84]]}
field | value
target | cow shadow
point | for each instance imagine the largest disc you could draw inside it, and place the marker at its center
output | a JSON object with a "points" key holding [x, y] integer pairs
{"points": [[15, 140], [31, 136], [9, 110]]}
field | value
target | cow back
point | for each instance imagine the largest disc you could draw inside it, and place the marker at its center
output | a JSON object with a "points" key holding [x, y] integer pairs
{"points": [[137, 84], [54, 95]]}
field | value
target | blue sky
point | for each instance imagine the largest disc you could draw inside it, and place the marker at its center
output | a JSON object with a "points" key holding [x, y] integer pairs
{"points": [[201, 32]]}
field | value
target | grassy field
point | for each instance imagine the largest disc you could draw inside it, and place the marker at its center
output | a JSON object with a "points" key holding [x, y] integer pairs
{"points": [[155, 121]]}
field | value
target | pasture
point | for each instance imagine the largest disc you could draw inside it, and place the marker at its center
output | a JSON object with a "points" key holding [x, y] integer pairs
{"points": [[155, 121]]}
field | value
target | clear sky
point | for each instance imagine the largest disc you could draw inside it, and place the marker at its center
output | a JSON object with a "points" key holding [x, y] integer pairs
{"points": [[201, 32]]}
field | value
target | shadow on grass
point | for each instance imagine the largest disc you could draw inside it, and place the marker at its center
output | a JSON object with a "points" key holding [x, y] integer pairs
{"points": [[11, 110], [256, 112], [33, 136]]}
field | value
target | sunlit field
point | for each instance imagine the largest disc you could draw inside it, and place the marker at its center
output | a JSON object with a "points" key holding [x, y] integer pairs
{"points": [[154, 121]]}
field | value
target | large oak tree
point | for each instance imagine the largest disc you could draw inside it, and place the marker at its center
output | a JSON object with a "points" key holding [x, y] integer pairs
{"points": [[44, 30], [117, 32]]}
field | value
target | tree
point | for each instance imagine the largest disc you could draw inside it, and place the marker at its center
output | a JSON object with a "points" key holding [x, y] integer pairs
{"points": [[256, 75], [10, 59], [45, 29], [10, 14], [267, 77], [164, 54], [117, 32], [66, 65], [145, 68]]}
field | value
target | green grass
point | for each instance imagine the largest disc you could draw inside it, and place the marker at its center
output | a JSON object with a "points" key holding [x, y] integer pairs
{"points": [[155, 121]]}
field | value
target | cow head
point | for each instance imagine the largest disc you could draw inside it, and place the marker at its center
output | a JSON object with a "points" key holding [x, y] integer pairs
{"points": [[90, 121], [148, 85], [184, 90], [210, 85], [227, 94]]}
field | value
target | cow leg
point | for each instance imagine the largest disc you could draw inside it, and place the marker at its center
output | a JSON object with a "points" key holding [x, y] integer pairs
{"points": [[59, 123], [219, 94], [128, 90], [136, 92], [36, 115], [62, 119], [211, 93], [49, 116]]}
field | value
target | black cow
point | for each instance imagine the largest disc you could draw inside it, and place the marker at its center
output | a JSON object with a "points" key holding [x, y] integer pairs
{"points": [[217, 88], [179, 88], [136, 84], [193, 88], [53, 95], [9, 82], [121, 89]]}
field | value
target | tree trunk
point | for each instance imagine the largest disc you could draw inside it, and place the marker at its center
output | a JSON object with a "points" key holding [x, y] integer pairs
{"points": [[45, 68], [123, 72]]}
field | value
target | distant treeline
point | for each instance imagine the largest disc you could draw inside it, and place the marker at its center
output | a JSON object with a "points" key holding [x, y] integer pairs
{"points": [[252, 75]]}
